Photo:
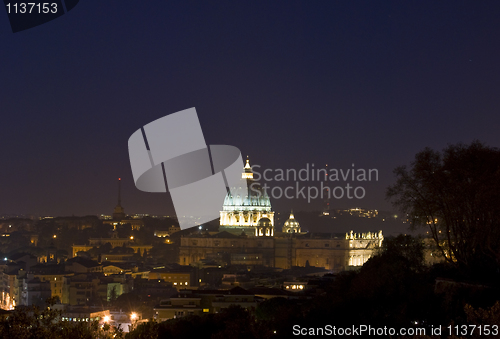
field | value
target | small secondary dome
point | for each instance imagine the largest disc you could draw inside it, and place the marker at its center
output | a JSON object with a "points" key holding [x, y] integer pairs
{"points": [[264, 227], [291, 225]]}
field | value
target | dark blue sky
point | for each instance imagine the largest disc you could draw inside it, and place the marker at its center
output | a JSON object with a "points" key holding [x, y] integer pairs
{"points": [[288, 83]]}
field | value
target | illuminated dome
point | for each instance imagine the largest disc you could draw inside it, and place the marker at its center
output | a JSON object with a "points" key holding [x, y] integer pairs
{"points": [[291, 225], [245, 205], [250, 195], [251, 198]]}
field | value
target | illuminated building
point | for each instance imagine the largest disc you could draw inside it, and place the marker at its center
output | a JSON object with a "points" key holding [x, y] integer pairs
{"points": [[177, 279], [360, 212], [291, 225], [115, 241], [189, 302], [243, 211]]}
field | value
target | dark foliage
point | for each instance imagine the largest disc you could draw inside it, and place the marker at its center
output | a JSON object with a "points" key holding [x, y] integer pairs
{"points": [[456, 195]]}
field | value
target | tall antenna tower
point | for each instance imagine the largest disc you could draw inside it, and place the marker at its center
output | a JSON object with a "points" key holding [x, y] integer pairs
{"points": [[326, 195]]}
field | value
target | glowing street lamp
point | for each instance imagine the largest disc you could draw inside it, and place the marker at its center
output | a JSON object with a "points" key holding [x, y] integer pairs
{"points": [[133, 319]]}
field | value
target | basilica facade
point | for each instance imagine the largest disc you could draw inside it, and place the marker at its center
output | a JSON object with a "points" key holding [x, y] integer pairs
{"points": [[248, 236]]}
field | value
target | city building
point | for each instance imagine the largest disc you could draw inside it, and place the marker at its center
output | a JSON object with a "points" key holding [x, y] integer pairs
{"points": [[10, 288], [291, 225], [82, 265], [114, 241], [197, 302], [34, 291], [167, 233], [178, 278], [83, 313], [53, 274]]}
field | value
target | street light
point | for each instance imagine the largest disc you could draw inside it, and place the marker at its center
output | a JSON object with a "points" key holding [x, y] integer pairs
{"points": [[133, 320]]}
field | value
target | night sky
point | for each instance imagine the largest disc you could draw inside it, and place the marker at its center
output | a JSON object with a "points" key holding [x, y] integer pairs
{"points": [[288, 83]]}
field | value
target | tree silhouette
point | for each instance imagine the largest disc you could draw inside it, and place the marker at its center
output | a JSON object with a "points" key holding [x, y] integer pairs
{"points": [[456, 195]]}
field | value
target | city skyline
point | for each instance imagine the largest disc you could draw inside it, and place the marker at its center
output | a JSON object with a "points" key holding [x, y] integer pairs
{"points": [[249, 169]]}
